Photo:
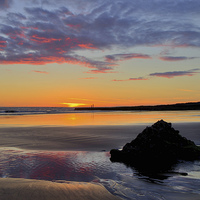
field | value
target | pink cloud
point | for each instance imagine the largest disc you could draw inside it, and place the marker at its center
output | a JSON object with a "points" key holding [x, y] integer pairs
{"points": [[34, 59], [41, 72], [87, 46], [39, 39], [74, 26], [16, 35], [3, 43], [133, 79]]}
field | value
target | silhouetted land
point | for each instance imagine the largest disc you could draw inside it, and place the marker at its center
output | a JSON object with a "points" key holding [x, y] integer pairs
{"points": [[169, 107]]}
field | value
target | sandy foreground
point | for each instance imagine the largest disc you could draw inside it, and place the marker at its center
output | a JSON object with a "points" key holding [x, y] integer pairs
{"points": [[56, 138], [23, 189]]}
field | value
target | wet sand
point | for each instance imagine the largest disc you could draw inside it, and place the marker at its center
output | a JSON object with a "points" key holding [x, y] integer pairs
{"points": [[80, 138], [83, 138], [23, 189]]}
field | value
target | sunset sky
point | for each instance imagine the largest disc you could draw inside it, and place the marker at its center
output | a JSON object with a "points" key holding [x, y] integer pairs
{"points": [[101, 52]]}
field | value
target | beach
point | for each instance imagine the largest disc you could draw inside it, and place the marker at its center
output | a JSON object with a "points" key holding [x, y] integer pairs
{"points": [[22, 189], [81, 138], [89, 138], [55, 139], [93, 97], [62, 161]]}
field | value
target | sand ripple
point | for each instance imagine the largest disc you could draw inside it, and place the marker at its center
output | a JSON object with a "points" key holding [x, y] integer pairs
{"points": [[23, 189]]}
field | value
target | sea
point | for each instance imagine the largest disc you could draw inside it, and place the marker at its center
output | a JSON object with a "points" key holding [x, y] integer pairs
{"points": [[182, 181]]}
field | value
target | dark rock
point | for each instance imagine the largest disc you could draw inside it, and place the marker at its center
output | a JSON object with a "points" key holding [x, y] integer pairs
{"points": [[10, 111], [157, 148]]}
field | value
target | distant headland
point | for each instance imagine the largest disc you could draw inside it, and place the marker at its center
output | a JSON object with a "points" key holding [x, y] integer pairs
{"points": [[167, 107]]}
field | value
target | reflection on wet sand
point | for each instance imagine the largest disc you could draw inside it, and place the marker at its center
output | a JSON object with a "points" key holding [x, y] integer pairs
{"points": [[46, 165], [98, 118]]}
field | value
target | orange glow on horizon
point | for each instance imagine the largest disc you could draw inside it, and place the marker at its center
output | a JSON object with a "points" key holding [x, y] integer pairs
{"points": [[72, 105], [96, 118], [76, 102]]}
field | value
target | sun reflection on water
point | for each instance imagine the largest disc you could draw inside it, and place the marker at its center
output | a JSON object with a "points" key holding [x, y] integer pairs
{"points": [[99, 118]]}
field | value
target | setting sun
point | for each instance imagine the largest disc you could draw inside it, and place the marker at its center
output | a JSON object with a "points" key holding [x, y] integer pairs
{"points": [[71, 105]]}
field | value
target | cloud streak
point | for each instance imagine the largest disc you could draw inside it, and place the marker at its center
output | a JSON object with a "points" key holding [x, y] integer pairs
{"points": [[133, 79], [171, 58], [40, 72], [168, 75], [122, 57], [173, 74]]}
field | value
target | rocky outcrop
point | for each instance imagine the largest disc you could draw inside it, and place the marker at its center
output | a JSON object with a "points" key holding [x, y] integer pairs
{"points": [[157, 147]]}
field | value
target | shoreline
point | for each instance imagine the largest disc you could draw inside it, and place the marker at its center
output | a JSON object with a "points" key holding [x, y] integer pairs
{"points": [[166, 107], [99, 118]]}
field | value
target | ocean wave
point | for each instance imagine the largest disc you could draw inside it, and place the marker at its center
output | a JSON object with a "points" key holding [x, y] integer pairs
{"points": [[34, 110]]}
